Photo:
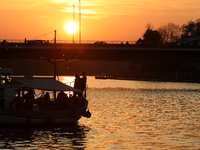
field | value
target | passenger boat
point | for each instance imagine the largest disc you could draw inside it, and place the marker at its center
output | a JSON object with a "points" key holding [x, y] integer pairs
{"points": [[104, 76], [17, 109]]}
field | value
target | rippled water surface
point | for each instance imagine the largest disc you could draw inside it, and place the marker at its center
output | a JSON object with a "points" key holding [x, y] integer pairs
{"points": [[125, 115]]}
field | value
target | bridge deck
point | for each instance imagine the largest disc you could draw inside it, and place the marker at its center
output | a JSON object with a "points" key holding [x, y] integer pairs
{"points": [[100, 52]]}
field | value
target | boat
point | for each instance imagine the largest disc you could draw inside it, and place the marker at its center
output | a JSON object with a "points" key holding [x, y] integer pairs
{"points": [[104, 76], [17, 109]]}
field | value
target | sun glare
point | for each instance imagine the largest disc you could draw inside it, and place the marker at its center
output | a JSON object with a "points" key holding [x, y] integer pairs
{"points": [[71, 27]]}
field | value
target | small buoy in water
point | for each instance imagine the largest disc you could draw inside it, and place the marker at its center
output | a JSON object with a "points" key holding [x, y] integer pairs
{"points": [[87, 114]]}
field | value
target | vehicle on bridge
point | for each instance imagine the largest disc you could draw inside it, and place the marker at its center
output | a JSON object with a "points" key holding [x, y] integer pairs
{"points": [[100, 42], [37, 42]]}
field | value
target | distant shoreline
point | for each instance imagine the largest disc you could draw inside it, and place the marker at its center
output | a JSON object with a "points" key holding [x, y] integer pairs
{"points": [[155, 80]]}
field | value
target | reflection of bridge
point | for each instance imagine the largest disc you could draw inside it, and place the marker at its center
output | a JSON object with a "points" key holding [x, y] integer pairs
{"points": [[101, 52]]}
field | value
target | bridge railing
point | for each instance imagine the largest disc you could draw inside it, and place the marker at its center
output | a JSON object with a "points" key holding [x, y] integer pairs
{"points": [[70, 41]]}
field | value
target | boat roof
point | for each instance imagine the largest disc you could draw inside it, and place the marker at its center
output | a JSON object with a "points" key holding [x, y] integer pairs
{"points": [[48, 84]]}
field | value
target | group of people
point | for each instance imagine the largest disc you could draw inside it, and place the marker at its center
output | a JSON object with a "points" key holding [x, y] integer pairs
{"points": [[29, 97], [80, 83]]}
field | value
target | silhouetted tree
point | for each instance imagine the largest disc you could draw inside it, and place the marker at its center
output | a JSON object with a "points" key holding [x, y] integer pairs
{"points": [[139, 41], [149, 26], [192, 29], [152, 37], [169, 32]]}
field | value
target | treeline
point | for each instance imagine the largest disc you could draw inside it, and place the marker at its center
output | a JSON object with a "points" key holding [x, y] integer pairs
{"points": [[172, 35], [40, 67], [164, 71]]}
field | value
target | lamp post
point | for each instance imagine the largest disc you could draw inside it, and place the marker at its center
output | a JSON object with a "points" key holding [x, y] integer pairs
{"points": [[73, 20], [79, 21], [55, 68]]}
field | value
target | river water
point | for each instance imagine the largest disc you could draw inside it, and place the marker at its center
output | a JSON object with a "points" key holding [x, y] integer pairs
{"points": [[125, 115]]}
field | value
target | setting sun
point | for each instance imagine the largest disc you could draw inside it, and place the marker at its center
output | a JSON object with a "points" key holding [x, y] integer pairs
{"points": [[71, 27]]}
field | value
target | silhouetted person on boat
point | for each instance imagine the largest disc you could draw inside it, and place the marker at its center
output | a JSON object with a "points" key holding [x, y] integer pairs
{"points": [[84, 80], [47, 96], [78, 84], [28, 97], [61, 96]]}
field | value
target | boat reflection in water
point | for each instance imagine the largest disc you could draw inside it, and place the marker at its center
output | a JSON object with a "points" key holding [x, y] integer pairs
{"points": [[57, 137]]}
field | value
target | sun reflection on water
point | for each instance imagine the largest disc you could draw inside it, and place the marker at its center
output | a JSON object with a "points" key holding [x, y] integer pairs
{"points": [[69, 80]]}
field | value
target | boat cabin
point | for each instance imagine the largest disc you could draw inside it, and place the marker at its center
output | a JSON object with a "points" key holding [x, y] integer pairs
{"points": [[13, 93], [7, 92]]}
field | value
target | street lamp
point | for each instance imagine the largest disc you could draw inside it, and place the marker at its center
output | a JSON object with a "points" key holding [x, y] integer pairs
{"points": [[79, 21], [73, 21]]}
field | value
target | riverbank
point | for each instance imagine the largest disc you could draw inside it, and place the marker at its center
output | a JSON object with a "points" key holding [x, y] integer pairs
{"points": [[121, 70]]}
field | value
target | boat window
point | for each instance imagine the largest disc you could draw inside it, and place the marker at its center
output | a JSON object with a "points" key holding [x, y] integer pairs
{"points": [[1, 92], [18, 93]]}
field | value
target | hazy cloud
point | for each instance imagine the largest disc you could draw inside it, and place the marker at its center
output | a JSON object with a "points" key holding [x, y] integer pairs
{"points": [[21, 4], [102, 8]]}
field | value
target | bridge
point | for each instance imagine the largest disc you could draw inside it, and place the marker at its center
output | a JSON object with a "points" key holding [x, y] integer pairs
{"points": [[113, 52]]}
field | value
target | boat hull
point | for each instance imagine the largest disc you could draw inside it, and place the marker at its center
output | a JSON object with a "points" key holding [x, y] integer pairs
{"points": [[14, 117]]}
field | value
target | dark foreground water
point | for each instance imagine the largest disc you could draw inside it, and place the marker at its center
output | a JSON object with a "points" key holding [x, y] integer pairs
{"points": [[125, 115]]}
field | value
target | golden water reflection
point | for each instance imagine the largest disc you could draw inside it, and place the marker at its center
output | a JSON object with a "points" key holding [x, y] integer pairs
{"points": [[125, 115], [149, 118], [144, 119]]}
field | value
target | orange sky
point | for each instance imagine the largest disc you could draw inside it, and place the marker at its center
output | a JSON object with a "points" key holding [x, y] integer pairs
{"points": [[119, 20]]}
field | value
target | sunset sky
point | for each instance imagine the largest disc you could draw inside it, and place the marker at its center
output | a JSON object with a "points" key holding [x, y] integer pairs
{"points": [[108, 20]]}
